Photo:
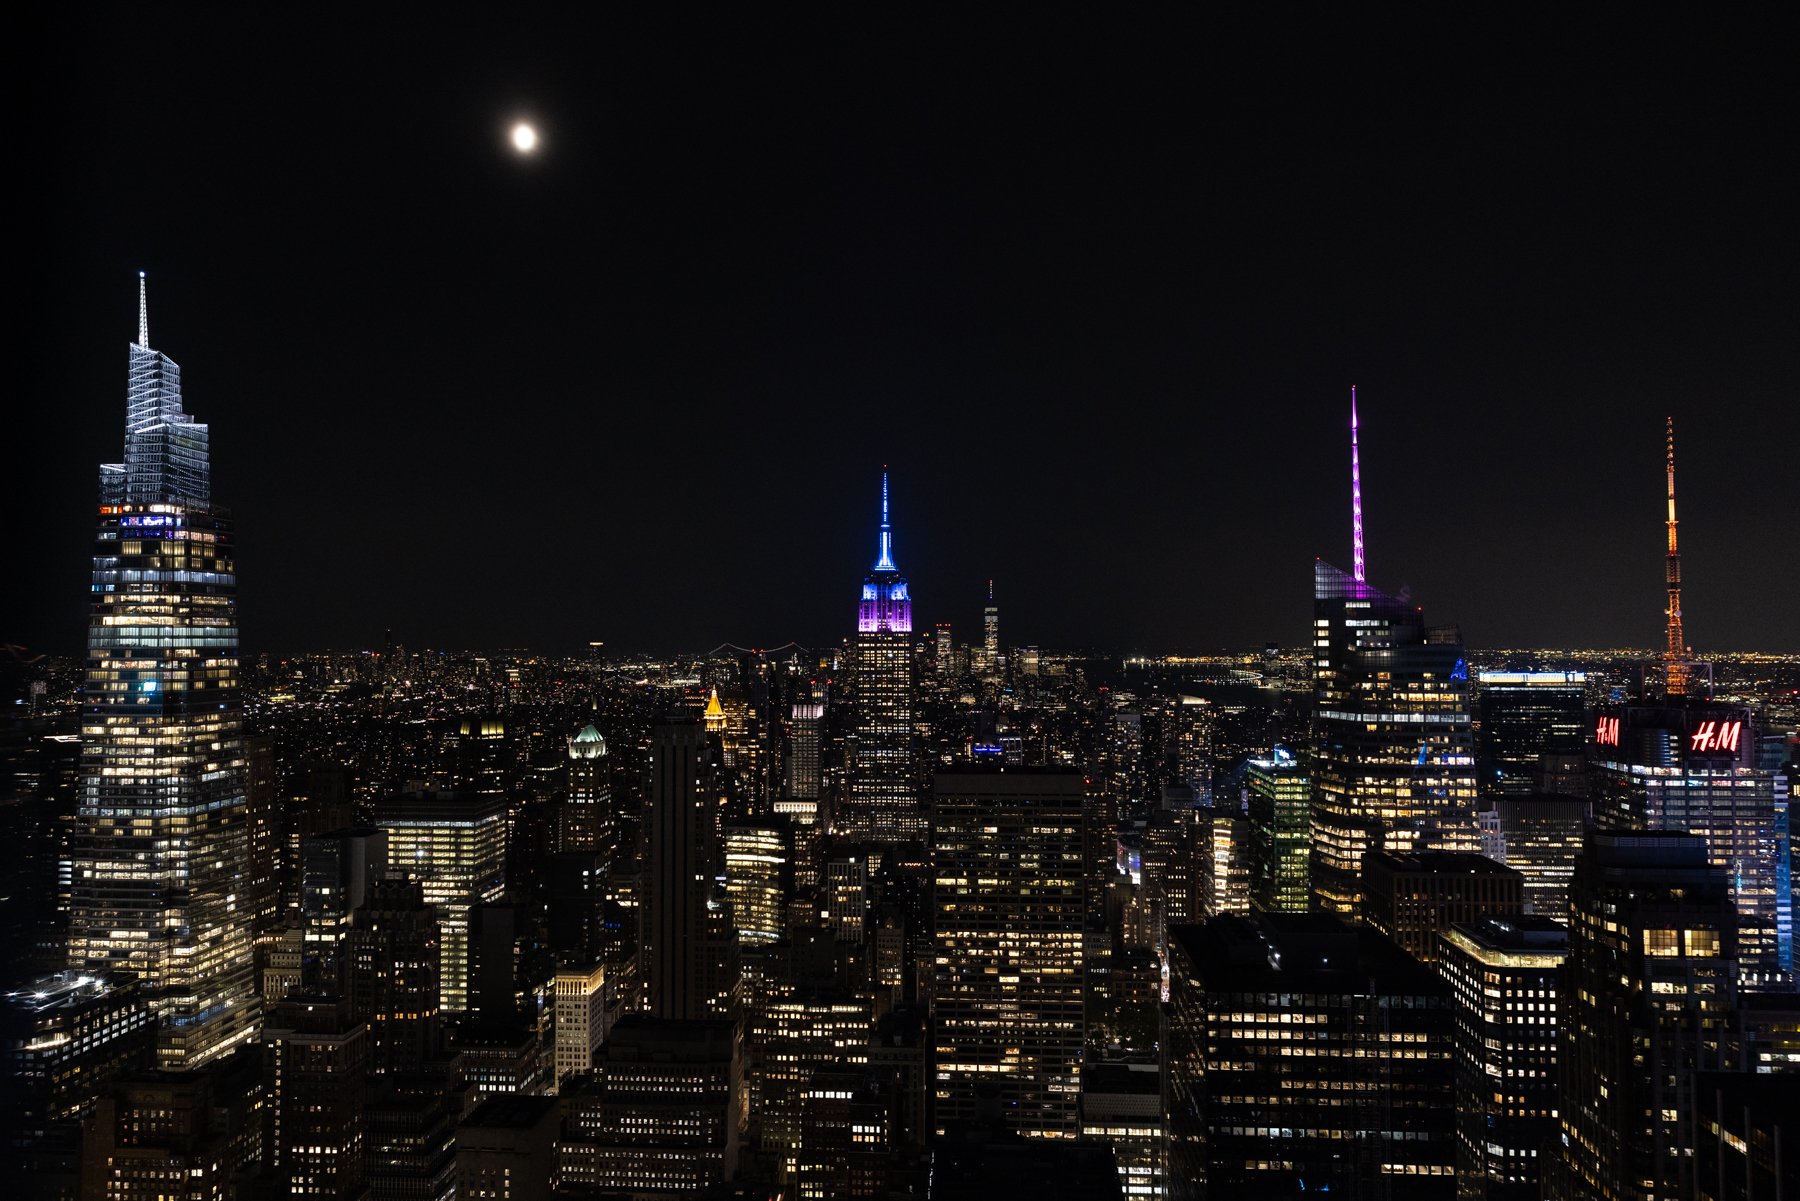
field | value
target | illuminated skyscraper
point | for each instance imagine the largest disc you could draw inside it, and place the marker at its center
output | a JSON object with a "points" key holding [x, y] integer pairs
{"points": [[1525, 716], [453, 843], [1280, 834], [1306, 1055], [1008, 916], [1649, 1001], [1691, 765], [678, 957], [991, 662], [883, 805], [162, 868], [1393, 760], [588, 824], [1504, 978]]}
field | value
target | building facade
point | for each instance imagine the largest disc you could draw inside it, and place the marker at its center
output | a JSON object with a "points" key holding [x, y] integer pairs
{"points": [[162, 875], [882, 804], [1504, 978], [1008, 914], [1394, 758]]}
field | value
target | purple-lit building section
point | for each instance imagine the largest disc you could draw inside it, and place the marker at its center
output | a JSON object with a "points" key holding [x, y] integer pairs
{"points": [[885, 605]]}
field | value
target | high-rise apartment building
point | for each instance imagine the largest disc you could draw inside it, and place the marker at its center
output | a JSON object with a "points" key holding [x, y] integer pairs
{"points": [[1503, 975], [883, 801], [454, 844], [1008, 914], [1650, 1002], [1280, 813], [162, 881], [1526, 716]]}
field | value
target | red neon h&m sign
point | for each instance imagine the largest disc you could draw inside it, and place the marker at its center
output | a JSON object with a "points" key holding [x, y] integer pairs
{"points": [[1606, 733], [1717, 736]]}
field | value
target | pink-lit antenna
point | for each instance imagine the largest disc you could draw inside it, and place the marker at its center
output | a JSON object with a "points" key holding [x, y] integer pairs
{"points": [[1356, 496]]}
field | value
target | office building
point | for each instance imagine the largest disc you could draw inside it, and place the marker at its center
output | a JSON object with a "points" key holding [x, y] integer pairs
{"points": [[1749, 1132], [794, 1036], [506, 1150], [1008, 915], [1691, 765], [411, 1132], [580, 1017], [1122, 1108], [758, 878], [1280, 821], [993, 664], [393, 966], [661, 1112], [1541, 835], [316, 1098], [1649, 1002], [801, 778], [679, 959], [588, 824], [1503, 975], [189, 1133], [1525, 717], [161, 881], [63, 1040], [336, 872], [882, 804], [454, 845], [1306, 1055], [1411, 899]]}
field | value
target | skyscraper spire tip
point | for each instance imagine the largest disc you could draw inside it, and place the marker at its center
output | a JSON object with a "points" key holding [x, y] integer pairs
{"points": [[1358, 566], [143, 315], [885, 562]]}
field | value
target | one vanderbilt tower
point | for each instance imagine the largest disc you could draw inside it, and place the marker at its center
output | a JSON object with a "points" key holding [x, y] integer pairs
{"points": [[161, 842]]}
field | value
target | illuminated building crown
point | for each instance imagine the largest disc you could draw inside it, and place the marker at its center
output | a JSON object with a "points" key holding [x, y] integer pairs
{"points": [[885, 605]]}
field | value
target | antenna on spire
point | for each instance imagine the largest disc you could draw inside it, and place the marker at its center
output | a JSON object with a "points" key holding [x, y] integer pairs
{"points": [[990, 591], [143, 315], [1675, 651], [886, 560], [1356, 524]]}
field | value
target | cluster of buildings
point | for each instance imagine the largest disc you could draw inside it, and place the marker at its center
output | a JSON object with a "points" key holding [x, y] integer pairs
{"points": [[896, 918]]}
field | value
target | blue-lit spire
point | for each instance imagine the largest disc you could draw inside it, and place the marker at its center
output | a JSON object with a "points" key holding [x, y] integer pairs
{"points": [[885, 561]]}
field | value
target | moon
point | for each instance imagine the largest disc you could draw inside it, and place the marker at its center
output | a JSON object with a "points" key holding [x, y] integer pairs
{"points": [[524, 137]]}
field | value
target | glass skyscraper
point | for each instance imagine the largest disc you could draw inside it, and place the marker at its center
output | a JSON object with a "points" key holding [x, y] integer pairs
{"points": [[1526, 715], [1394, 757], [161, 860], [1690, 765], [883, 805]]}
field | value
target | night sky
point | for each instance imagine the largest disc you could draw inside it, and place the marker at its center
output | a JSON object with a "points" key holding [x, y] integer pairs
{"points": [[1097, 292]]}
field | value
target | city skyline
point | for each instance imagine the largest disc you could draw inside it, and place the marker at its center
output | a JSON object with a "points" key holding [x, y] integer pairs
{"points": [[1087, 388]]}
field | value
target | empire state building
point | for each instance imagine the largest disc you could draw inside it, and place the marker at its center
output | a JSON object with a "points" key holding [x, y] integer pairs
{"points": [[883, 805], [160, 883]]}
